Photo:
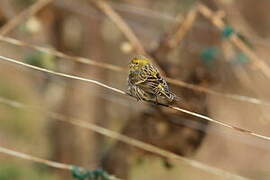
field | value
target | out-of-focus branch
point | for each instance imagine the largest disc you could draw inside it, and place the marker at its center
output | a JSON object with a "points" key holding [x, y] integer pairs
{"points": [[245, 131], [235, 17], [83, 9], [7, 9], [120, 69], [124, 28], [121, 24], [123, 138], [257, 63], [23, 15], [172, 39], [63, 55], [183, 28]]}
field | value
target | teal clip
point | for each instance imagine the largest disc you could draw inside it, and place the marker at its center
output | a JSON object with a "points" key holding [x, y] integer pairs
{"points": [[82, 174]]}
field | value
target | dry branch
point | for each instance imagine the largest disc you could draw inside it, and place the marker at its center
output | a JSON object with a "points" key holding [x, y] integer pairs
{"points": [[257, 63], [175, 37], [120, 69], [121, 24], [24, 15], [127, 140], [124, 28], [242, 130]]}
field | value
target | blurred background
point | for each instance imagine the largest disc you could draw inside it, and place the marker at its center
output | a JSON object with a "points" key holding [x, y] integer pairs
{"points": [[185, 44]]}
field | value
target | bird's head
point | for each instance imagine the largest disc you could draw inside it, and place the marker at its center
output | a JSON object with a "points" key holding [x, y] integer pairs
{"points": [[138, 62]]}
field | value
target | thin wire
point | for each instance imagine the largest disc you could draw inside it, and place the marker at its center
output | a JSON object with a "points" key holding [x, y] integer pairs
{"points": [[62, 55], [41, 161], [120, 23], [23, 15], [245, 131], [42, 3], [120, 69], [35, 159], [62, 74], [226, 95], [128, 140], [28, 12], [196, 125]]}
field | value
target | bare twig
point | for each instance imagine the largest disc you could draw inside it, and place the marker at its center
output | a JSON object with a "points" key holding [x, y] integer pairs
{"points": [[124, 28], [120, 69], [245, 131], [83, 9], [121, 24], [175, 37], [218, 22], [62, 55], [23, 15], [126, 139], [171, 39], [235, 17]]}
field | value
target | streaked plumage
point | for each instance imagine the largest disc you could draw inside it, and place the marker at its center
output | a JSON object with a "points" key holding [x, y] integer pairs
{"points": [[145, 82]]}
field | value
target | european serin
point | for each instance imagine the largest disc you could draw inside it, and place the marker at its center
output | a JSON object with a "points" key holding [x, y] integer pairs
{"points": [[145, 82]]}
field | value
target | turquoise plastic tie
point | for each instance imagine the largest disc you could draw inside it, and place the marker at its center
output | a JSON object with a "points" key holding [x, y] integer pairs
{"points": [[227, 32], [82, 174], [240, 58], [209, 54]]}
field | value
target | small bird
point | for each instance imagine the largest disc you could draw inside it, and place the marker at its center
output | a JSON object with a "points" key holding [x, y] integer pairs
{"points": [[145, 82]]}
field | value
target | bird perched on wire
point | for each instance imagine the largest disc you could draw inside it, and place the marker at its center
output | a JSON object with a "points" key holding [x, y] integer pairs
{"points": [[145, 82]]}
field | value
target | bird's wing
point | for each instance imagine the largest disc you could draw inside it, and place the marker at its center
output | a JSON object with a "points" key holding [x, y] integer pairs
{"points": [[155, 84]]}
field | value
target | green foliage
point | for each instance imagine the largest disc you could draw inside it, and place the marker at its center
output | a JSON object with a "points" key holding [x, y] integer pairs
{"points": [[40, 59], [10, 171]]}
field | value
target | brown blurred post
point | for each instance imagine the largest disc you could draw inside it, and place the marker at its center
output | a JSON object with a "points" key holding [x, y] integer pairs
{"points": [[72, 144]]}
